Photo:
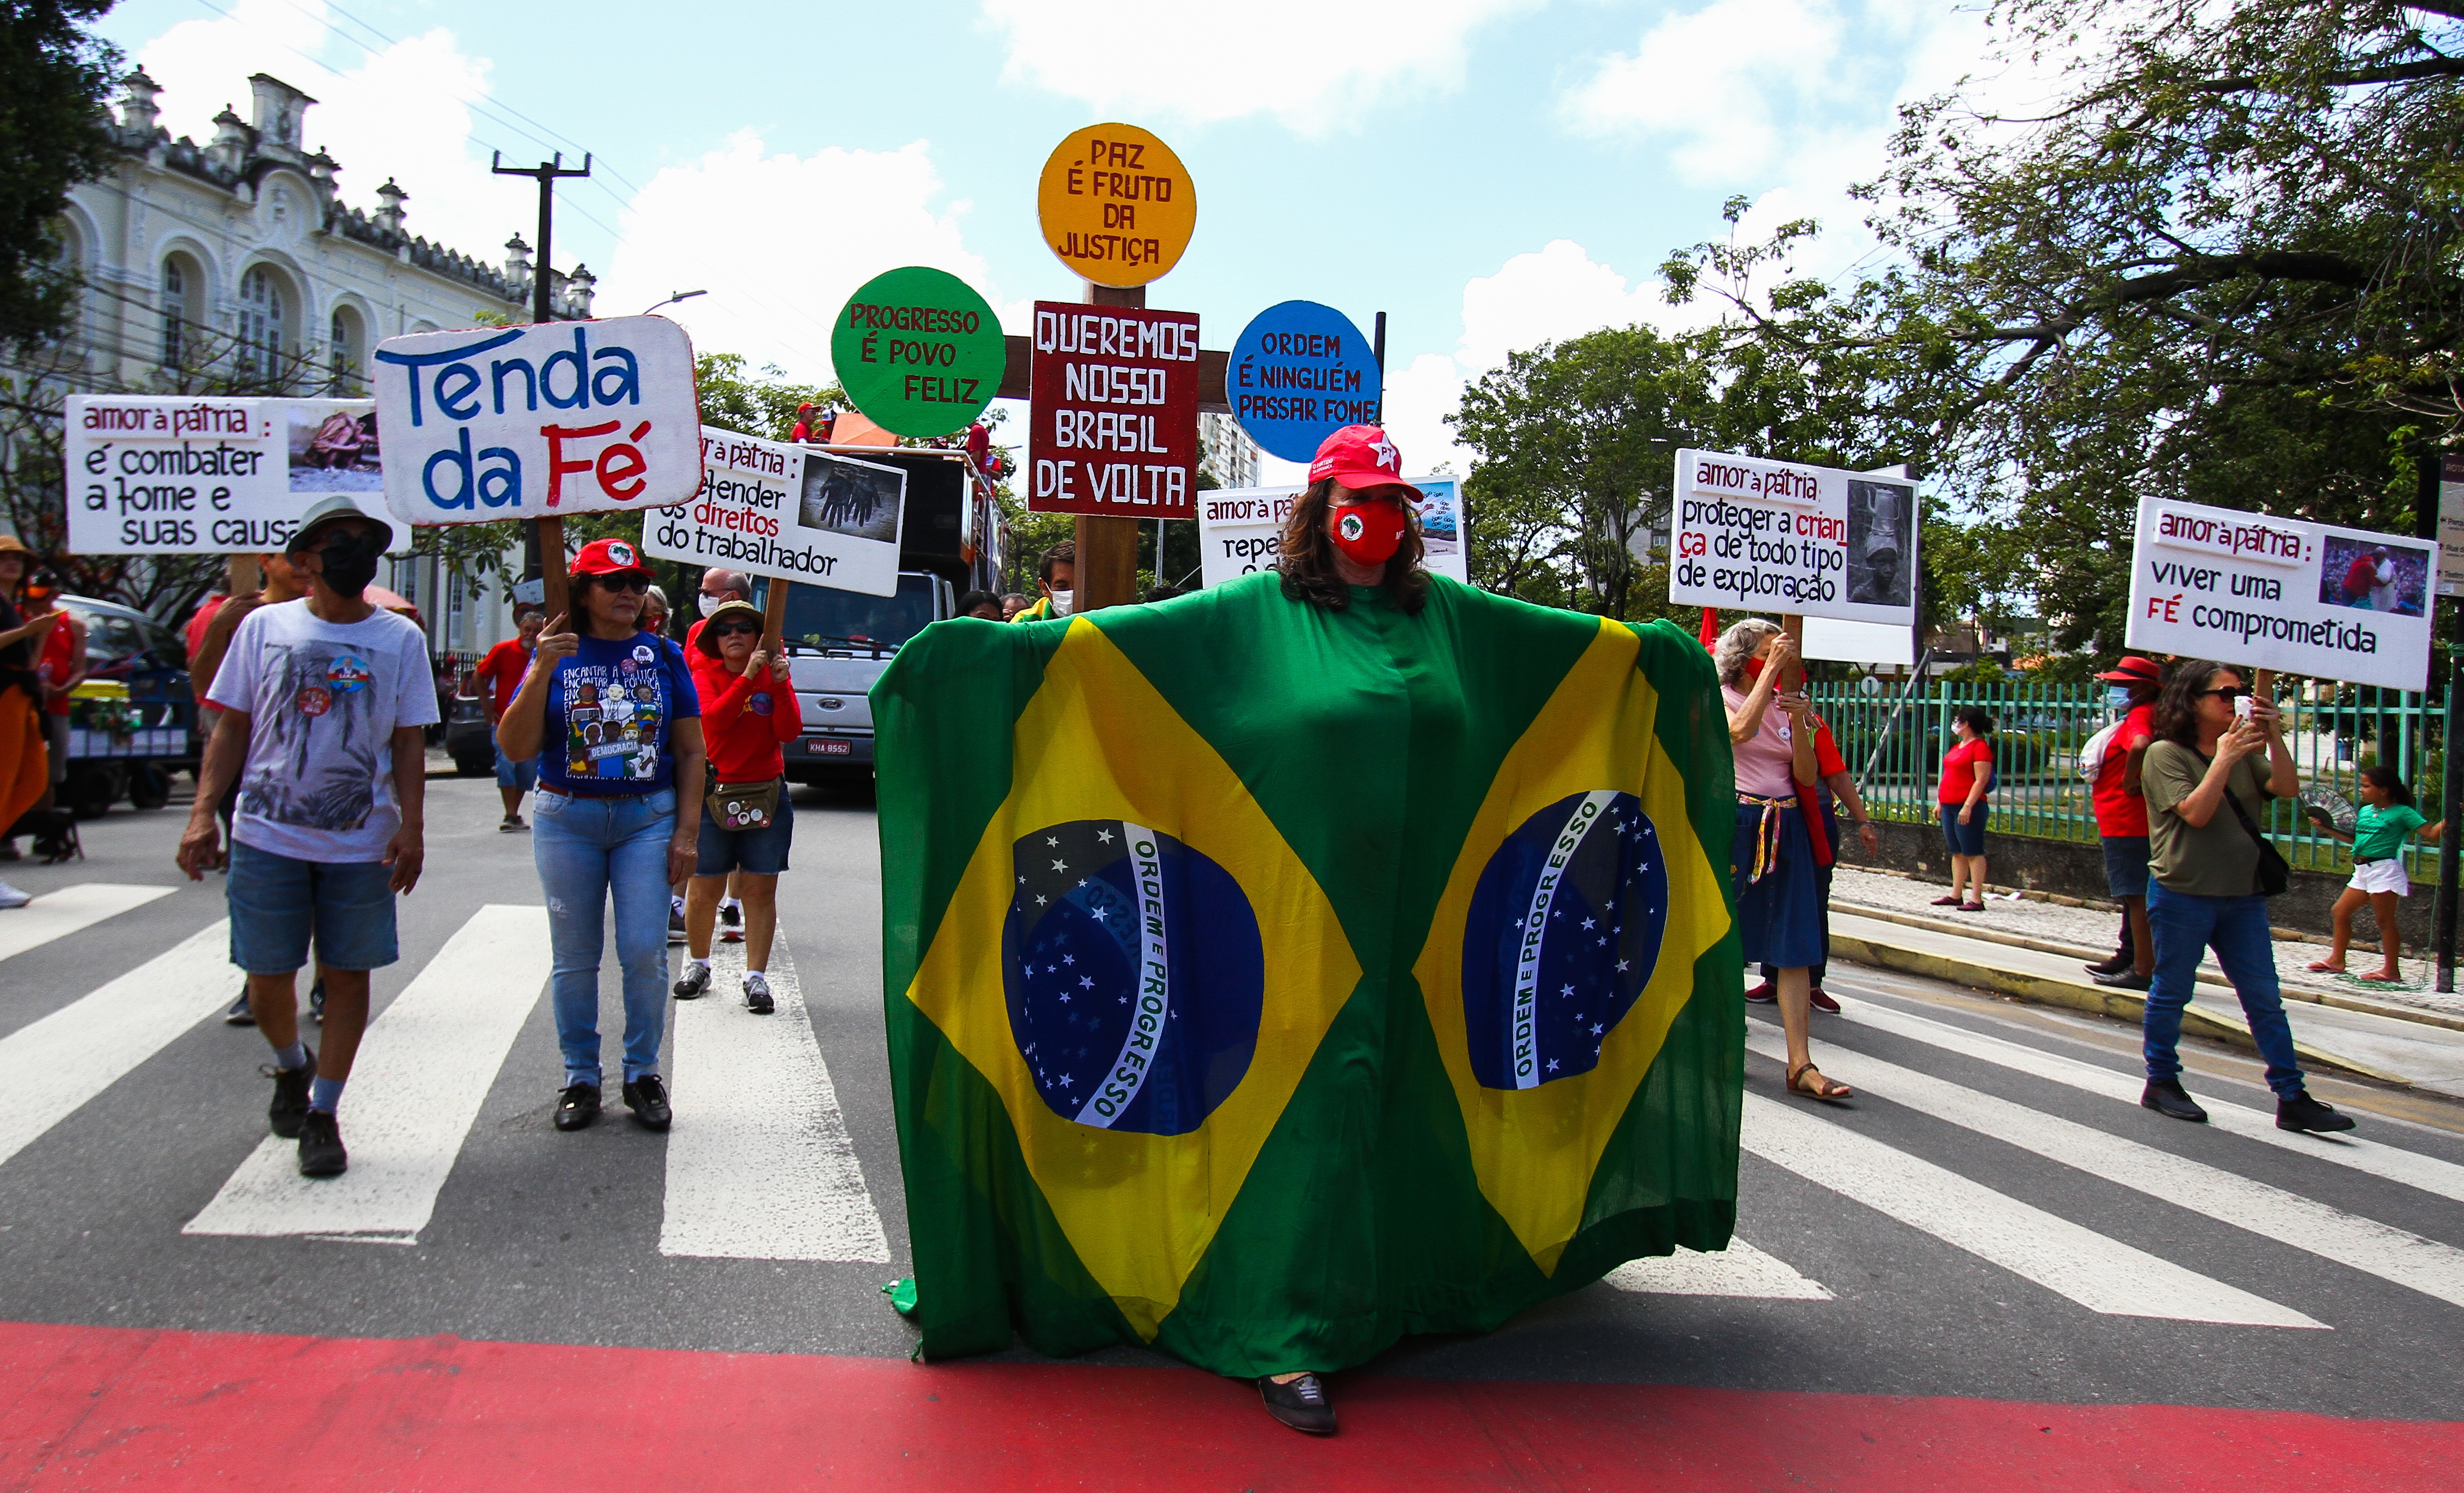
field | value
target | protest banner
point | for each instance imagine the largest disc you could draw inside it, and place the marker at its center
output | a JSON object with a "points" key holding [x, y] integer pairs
{"points": [[1750, 534], [2284, 594], [1113, 416], [1239, 529], [186, 474], [788, 512], [918, 351], [535, 422], [2450, 526], [1116, 204], [1859, 642], [1299, 372]]}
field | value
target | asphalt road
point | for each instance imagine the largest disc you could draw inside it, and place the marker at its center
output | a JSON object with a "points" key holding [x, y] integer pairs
{"points": [[1996, 1218]]}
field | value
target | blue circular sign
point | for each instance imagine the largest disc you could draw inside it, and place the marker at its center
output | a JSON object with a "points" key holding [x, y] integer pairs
{"points": [[1562, 934], [1134, 974], [1299, 373]]}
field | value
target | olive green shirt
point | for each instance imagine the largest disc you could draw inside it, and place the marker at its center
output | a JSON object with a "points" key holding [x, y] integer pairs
{"points": [[2219, 859]]}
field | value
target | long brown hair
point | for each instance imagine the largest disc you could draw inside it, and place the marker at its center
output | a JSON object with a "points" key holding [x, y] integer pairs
{"points": [[1309, 557], [2177, 708]]}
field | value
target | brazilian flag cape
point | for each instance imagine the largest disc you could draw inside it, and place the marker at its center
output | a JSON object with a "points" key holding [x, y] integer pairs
{"points": [[1266, 980]]}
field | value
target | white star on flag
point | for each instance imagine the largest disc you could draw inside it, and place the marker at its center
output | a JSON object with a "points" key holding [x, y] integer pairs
{"points": [[1387, 455]]}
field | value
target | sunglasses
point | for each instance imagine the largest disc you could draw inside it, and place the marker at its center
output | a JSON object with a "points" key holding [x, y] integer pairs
{"points": [[735, 629], [632, 580], [2228, 692]]}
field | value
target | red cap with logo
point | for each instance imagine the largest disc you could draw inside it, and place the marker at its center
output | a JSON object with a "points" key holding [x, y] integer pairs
{"points": [[1360, 456], [607, 558]]}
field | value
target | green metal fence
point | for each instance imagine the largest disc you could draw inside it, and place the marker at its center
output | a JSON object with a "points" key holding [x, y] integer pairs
{"points": [[1894, 738]]}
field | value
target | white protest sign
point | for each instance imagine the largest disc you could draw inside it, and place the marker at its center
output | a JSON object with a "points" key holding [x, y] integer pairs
{"points": [[529, 422], [1748, 535], [2281, 593], [792, 512], [1239, 529], [179, 474], [1859, 642]]}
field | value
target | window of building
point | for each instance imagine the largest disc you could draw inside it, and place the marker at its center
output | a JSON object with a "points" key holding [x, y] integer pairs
{"points": [[260, 324], [175, 313], [343, 353]]}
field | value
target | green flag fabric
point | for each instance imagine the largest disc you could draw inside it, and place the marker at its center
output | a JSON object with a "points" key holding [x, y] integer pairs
{"points": [[1266, 982]]}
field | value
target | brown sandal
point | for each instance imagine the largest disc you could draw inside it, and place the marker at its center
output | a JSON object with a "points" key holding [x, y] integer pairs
{"points": [[1820, 1088]]}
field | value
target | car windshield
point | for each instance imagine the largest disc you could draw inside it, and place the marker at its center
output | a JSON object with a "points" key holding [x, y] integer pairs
{"points": [[111, 636], [817, 618]]}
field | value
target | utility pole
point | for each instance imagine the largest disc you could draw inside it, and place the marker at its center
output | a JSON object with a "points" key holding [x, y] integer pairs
{"points": [[543, 539]]}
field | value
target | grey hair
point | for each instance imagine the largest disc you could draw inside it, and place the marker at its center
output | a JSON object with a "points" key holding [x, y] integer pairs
{"points": [[1738, 645], [660, 597]]}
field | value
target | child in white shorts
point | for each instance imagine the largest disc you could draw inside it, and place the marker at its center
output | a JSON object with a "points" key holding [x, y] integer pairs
{"points": [[2377, 838]]}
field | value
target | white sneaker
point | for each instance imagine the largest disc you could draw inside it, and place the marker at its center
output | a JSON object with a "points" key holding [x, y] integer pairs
{"points": [[11, 897], [757, 994]]}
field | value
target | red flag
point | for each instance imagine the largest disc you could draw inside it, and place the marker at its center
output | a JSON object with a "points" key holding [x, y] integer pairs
{"points": [[1710, 633]]}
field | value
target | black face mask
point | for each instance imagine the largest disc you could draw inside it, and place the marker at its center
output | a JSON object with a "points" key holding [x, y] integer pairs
{"points": [[351, 563]]}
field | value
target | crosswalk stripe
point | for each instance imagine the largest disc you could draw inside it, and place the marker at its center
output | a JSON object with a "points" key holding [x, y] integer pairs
{"points": [[2101, 1274], [50, 1067], [1739, 1270], [57, 914], [2391, 1254], [759, 1162], [2394, 1163], [423, 1070]]}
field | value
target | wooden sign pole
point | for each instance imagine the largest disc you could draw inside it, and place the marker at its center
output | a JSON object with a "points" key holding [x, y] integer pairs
{"points": [[241, 575], [1107, 547], [774, 615], [1792, 677], [552, 574]]}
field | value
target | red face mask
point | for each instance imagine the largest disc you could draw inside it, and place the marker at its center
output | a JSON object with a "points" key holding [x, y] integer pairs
{"points": [[1369, 532], [1753, 668]]}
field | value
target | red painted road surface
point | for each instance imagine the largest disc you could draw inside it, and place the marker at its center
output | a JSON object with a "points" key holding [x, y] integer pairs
{"points": [[112, 1408]]}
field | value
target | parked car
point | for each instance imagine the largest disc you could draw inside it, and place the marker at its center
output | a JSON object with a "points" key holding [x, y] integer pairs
{"points": [[131, 724]]}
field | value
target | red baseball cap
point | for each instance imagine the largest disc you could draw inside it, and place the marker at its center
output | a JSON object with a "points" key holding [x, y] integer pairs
{"points": [[607, 558], [1360, 456], [2134, 670]]}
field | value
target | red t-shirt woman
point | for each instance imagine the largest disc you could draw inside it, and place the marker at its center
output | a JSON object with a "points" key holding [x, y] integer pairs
{"points": [[1967, 776]]}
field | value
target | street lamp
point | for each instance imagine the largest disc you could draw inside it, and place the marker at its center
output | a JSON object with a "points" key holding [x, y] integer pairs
{"points": [[672, 299]]}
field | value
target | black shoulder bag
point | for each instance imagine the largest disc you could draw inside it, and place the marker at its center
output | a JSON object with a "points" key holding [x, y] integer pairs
{"points": [[2275, 876]]}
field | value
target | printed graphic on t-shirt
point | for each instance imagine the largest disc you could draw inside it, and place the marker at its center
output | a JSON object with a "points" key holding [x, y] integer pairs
{"points": [[612, 716], [320, 746]]}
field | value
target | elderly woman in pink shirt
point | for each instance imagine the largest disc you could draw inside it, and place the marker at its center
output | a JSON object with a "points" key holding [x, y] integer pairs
{"points": [[1779, 913]]}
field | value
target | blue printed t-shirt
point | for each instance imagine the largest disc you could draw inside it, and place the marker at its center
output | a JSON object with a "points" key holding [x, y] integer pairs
{"points": [[610, 709]]}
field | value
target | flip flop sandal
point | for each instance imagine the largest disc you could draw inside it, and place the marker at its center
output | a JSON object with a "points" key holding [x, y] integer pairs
{"points": [[2322, 967], [2378, 977], [1820, 1087]]}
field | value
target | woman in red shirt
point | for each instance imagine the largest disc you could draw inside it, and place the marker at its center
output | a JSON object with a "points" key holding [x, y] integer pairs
{"points": [[748, 708], [1966, 776]]}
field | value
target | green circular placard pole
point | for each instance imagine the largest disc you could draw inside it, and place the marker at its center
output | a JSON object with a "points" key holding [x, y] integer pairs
{"points": [[918, 351]]}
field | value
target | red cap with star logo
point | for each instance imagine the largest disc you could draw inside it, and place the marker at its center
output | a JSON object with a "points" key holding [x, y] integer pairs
{"points": [[606, 558], [1361, 457]]}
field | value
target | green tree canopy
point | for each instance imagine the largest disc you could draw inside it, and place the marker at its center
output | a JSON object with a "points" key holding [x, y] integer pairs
{"points": [[54, 77]]}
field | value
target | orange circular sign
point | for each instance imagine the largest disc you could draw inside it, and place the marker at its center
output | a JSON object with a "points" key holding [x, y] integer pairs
{"points": [[1116, 204]]}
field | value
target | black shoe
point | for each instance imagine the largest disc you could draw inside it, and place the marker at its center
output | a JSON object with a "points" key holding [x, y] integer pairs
{"points": [[757, 994], [577, 1107], [1300, 1404], [2112, 966], [239, 1015], [2301, 1112], [2127, 980], [730, 924], [695, 982], [647, 1098], [675, 923], [290, 1097], [320, 1146], [2171, 1099]]}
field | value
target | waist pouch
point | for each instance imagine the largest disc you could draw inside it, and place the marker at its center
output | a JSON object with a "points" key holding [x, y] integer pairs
{"points": [[743, 805]]}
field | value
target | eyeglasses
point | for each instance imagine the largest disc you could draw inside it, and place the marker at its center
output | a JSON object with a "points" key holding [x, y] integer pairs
{"points": [[735, 629], [634, 582]]}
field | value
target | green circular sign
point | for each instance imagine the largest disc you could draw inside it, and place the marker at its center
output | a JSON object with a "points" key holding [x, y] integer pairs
{"points": [[918, 351]]}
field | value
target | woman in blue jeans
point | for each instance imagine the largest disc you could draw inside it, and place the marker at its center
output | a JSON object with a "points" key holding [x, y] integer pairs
{"points": [[616, 713], [2207, 799]]}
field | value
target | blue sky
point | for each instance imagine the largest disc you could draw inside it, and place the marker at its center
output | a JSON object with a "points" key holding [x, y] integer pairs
{"points": [[1490, 173]]}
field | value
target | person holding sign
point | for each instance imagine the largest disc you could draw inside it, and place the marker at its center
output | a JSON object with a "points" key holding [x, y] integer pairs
{"points": [[2213, 873], [612, 716], [749, 712], [1779, 921]]}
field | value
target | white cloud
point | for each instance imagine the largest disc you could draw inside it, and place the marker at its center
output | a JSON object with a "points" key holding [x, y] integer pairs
{"points": [[721, 223], [1727, 81], [1313, 64], [400, 113]]}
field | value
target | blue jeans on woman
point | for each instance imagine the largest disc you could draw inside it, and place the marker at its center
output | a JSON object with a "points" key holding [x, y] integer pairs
{"points": [[586, 848], [2185, 925]]}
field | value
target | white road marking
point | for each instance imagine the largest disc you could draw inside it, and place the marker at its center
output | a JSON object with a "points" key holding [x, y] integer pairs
{"points": [[57, 914], [759, 1163], [423, 1070], [50, 1067], [2394, 1163], [2391, 1254], [2101, 1274], [1739, 1270]]}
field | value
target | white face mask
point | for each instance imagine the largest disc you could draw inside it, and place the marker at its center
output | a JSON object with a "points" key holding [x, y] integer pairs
{"points": [[1061, 603], [712, 603]]}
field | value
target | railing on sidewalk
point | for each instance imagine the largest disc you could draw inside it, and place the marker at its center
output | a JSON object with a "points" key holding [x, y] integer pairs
{"points": [[2333, 730]]}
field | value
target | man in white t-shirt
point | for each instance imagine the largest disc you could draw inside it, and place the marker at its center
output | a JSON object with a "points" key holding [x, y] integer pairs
{"points": [[322, 704]]}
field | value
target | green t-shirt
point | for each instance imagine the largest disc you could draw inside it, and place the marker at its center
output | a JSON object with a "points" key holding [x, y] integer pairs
{"points": [[2379, 833], [2217, 859]]}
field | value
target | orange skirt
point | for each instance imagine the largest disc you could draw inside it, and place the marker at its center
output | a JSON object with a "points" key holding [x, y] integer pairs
{"points": [[25, 763]]}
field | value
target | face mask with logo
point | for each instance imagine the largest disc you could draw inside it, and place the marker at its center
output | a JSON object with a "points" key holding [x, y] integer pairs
{"points": [[351, 563], [1369, 532], [1061, 603]]}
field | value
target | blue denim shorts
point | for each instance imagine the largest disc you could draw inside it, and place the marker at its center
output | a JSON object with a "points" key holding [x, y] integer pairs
{"points": [[279, 904], [755, 852], [523, 774], [2125, 866], [1964, 839]]}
